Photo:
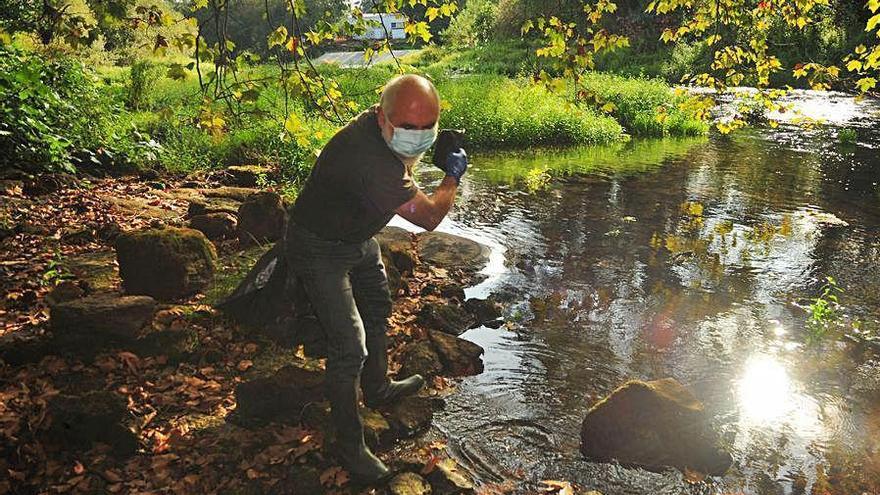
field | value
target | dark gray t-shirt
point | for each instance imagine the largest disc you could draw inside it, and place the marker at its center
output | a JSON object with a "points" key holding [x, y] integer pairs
{"points": [[355, 186]]}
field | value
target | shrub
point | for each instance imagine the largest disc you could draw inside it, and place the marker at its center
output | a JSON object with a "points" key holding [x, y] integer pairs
{"points": [[47, 109], [144, 75], [474, 25], [638, 100]]}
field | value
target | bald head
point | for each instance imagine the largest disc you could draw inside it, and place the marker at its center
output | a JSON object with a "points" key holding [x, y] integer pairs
{"points": [[411, 102]]}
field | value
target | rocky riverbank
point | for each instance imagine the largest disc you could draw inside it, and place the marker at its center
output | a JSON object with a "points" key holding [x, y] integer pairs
{"points": [[119, 376]]}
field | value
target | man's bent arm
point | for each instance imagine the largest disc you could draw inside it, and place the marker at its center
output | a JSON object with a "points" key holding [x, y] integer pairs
{"points": [[428, 211]]}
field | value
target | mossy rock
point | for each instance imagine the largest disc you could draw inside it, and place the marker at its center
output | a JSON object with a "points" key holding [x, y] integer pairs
{"points": [[261, 218], [215, 225], [280, 397], [245, 175], [409, 484], [106, 314], [167, 264]]}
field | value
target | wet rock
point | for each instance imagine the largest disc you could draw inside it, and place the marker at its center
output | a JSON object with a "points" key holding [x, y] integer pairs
{"points": [[167, 263], [409, 484], [261, 218], [653, 424], [483, 310], [449, 251], [245, 175], [280, 397], [460, 357], [411, 415], [215, 225], [78, 421], [420, 358], [447, 478], [453, 291], [66, 290], [447, 318], [105, 314]]}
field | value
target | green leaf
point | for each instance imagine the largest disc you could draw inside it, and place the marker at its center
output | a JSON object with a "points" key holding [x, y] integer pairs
{"points": [[277, 37]]}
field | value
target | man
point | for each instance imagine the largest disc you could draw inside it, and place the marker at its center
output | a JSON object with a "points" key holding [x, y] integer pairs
{"points": [[360, 180]]}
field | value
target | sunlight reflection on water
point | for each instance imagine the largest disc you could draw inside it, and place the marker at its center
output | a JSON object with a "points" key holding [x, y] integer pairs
{"points": [[768, 397]]}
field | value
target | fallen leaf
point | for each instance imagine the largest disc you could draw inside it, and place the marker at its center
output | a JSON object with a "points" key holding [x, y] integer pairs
{"points": [[244, 364]]}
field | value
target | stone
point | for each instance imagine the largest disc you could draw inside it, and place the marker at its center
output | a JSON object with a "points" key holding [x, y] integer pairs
{"points": [[207, 206], [108, 232], [48, 184], [378, 432], [395, 281], [453, 291], [149, 174], [409, 484], [460, 357], [419, 358], [168, 263], [245, 175], [234, 193], [215, 225], [483, 310], [106, 314], [66, 290], [653, 425], [447, 479], [279, 397], [449, 251], [78, 421], [397, 245], [447, 318], [411, 415], [261, 218]]}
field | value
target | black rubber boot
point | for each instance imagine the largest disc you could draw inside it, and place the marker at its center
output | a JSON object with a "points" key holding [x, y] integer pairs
{"points": [[355, 457], [378, 389]]}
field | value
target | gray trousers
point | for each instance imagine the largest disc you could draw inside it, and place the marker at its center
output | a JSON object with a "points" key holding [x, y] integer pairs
{"points": [[348, 289]]}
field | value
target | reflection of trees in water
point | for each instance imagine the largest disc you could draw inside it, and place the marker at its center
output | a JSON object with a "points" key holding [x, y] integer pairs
{"points": [[651, 285]]}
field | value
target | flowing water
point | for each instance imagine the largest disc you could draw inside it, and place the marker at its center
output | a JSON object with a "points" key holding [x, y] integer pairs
{"points": [[693, 259]]}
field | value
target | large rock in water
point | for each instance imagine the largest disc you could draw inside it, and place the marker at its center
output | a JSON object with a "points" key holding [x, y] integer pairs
{"points": [[653, 424], [460, 357], [261, 218], [167, 263], [450, 251]]}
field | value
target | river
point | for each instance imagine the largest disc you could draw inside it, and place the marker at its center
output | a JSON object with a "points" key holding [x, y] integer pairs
{"points": [[694, 259]]}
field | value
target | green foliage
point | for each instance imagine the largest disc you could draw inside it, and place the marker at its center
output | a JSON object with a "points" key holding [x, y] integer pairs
{"points": [[847, 136], [645, 107], [144, 75], [474, 25], [500, 112], [47, 109], [825, 310]]}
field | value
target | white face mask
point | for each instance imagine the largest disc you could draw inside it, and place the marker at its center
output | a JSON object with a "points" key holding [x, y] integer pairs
{"points": [[412, 142]]}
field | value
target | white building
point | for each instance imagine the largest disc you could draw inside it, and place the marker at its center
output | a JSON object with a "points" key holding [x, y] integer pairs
{"points": [[381, 26]]}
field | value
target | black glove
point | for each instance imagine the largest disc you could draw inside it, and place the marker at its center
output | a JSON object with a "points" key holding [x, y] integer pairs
{"points": [[448, 141]]}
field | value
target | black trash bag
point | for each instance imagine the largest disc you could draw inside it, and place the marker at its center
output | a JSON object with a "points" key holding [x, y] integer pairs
{"points": [[268, 300], [448, 140]]}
